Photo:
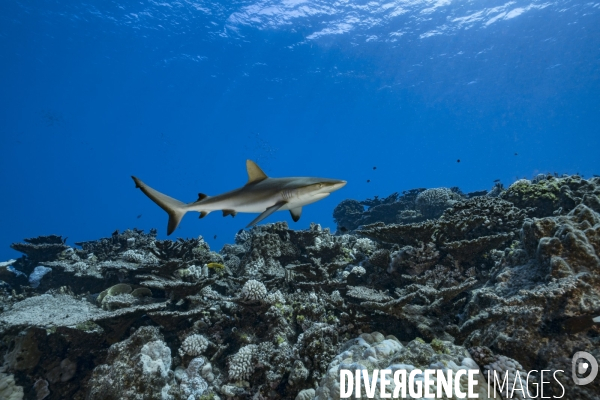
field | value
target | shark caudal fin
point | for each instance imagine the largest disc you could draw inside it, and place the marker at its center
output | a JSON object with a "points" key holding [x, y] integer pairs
{"points": [[175, 208]]}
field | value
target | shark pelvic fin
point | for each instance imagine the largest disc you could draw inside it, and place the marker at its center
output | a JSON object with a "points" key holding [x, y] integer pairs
{"points": [[255, 174], [175, 208], [233, 213], [266, 213], [203, 214], [296, 213]]}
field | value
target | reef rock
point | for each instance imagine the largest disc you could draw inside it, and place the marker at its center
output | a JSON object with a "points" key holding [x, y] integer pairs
{"points": [[540, 292], [513, 275], [374, 351], [137, 368]]}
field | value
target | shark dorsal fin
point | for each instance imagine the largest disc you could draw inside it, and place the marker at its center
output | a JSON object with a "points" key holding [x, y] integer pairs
{"points": [[255, 174]]}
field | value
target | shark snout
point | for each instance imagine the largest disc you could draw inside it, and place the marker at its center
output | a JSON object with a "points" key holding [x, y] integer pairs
{"points": [[340, 185], [336, 185]]}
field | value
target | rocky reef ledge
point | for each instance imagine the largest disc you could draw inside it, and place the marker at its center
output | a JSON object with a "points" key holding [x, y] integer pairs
{"points": [[507, 280]]}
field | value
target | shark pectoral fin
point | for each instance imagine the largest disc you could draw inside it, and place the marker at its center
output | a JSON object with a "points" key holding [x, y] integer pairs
{"points": [[233, 213], [296, 213], [255, 174], [267, 212], [203, 214]]}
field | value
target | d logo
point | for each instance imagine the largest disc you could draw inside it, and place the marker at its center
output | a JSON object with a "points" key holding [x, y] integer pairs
{"points": [[582, 367]]}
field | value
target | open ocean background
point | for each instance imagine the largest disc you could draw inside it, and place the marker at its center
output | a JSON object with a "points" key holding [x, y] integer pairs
{"points": [[181, 93]]}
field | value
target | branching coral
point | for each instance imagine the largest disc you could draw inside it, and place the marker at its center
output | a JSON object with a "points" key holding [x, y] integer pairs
{"points": [[193, 345], [253, 290], [241, 365], [432, 202]]}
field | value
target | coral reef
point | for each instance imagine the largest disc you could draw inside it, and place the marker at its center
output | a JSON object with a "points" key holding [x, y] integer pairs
{"points": [[193, 345], [241, 365], [8, 388], [138, 367], [501, 366], [413, 206], [414, 260], [192, 384], [409, 282], [253, 290], [548, 194], [431, 203], [39, 249], [396, 208], [535, 291], [372, 351]]}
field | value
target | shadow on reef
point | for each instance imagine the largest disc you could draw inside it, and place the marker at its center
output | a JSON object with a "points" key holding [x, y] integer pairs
{"points": [[506, 280]]}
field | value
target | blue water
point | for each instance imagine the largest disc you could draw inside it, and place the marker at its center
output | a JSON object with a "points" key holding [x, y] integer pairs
{"points": [[181, 93]]}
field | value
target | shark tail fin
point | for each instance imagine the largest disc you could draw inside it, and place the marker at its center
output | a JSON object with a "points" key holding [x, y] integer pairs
{"points": [[175, 208]]}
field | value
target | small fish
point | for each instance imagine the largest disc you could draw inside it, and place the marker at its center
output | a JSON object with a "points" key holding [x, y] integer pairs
{"points": [[215, 237], [374, 167], [368, 180], [516, 154], [496, 180], [458, 160], [139, 216]]}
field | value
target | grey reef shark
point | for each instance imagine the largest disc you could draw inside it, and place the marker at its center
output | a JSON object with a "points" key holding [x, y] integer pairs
{"points": [[260, 194]]}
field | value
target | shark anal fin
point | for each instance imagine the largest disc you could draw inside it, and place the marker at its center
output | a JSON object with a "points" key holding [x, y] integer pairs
{"points": [[266, 213], [296, 213], [233, 213], [201, 196], [203, 214], [255, 174]]}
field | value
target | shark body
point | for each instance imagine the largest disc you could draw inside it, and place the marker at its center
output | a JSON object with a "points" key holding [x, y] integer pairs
{"points": [[260, 194]]}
